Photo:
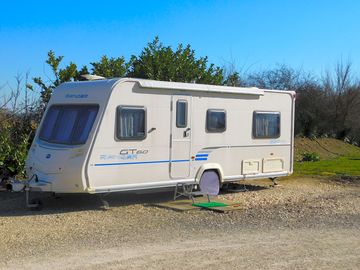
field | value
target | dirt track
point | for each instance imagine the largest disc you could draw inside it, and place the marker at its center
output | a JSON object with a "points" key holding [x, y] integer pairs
{"points": [[303, 224]]}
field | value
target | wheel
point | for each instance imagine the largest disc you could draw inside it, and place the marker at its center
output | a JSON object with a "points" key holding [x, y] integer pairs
{"points": [[210, 183], [36, 205]]}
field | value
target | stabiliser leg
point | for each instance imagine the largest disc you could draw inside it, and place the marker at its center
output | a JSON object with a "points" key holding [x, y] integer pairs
{"points": [[32, 204], [105, 204], [274, 180]]}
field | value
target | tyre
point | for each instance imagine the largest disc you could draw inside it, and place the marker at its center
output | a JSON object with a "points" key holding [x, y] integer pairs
{"points": [[210, 183]]}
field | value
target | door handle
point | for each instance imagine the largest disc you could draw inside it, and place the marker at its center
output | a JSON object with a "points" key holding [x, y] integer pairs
{"points": [[151, 130], [186, 132]]}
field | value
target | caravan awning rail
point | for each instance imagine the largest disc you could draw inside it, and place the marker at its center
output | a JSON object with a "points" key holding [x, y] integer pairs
{"points": [[201, 87]]}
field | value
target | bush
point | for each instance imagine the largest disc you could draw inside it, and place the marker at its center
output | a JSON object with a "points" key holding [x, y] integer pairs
{"points": [[310, 156], [13, 151]]}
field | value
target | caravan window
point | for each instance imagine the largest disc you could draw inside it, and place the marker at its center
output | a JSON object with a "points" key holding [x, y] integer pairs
{"points": [[266, 125], [68, 124], [181, 113], [131, 123], [215, 120]]}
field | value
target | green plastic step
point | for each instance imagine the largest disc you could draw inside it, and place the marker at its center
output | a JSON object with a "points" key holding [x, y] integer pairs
{"points": [[210, 204]]}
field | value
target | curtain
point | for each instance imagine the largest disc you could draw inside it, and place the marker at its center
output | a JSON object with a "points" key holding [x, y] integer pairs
{"points": [[132, 124], [68, 124], [267, 125]]}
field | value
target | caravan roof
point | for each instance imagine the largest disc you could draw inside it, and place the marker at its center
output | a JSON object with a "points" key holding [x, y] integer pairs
{"points": [[191, 87]]}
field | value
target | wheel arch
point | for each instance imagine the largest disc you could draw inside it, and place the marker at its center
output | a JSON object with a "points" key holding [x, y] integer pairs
{"points": [[210, 167]]}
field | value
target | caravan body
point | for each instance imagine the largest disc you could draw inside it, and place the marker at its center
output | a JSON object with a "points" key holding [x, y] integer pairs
{"points": [[129, 134]]}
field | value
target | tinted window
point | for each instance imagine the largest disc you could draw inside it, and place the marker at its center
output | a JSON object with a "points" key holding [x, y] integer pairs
{"points": [[266, 125], [130, 123], [215, 120], [68, 124], [181, 113]]}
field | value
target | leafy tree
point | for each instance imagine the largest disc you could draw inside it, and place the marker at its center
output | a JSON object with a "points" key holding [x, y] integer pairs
{"points": [[156, 61], [159, 62], [110, 67], [233, 79]]}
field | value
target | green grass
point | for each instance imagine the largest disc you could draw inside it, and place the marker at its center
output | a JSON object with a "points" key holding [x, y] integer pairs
{"points": [[345, 165]]}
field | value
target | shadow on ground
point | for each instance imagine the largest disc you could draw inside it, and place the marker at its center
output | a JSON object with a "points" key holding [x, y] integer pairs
{"points": [[13, 204], [239, 187]]}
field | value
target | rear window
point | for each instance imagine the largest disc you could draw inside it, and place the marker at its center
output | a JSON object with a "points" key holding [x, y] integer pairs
{"points": [[68, 124], [266, 125]]}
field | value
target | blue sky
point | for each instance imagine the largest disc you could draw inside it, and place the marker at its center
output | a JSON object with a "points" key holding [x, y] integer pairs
{"points": [[254, 34]]}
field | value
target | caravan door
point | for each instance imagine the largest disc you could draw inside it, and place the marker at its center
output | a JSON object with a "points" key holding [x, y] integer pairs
{"points": [[180, 136]]}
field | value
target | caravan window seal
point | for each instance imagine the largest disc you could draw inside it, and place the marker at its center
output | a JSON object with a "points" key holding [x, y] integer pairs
{"points": [[117, 119]]}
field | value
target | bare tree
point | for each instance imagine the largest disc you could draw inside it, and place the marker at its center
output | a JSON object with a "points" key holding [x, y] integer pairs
{"points": [[282, 77], [343, 93]]}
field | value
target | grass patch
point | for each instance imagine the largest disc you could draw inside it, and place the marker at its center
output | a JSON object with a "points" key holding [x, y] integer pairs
{"points": [[349, 165]]}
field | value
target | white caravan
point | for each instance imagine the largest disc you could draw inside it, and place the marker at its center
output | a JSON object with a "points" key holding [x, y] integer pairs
{"points": [[128, 134]]}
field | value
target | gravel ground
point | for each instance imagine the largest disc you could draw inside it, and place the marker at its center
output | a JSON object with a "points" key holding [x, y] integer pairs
{"points": [[305, 223]]}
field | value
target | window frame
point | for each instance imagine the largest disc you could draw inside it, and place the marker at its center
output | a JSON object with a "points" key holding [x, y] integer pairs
{"points": [[206, 121], [39, 137], [186, 113], [117, 128], [254, 125]]}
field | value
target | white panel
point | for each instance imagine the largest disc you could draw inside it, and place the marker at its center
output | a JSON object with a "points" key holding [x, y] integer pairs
{"points": [[251, 166], [273, 165]]}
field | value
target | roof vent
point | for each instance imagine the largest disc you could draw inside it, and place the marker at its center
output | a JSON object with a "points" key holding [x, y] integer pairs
{"points": [[90, 77]]}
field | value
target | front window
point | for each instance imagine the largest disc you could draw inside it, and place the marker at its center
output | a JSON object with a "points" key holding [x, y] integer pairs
{"points": [[68, 124]]}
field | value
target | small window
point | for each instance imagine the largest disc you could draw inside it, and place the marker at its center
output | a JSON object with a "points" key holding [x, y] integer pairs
{"points": [[181, 113], [131, 123], [68, 124], [215, 120], [266, 125]]}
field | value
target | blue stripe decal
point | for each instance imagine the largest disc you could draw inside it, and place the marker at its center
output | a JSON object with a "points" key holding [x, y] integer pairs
{"points": [[141, 162], [196, 159], [202, 155], [180, 160]]}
